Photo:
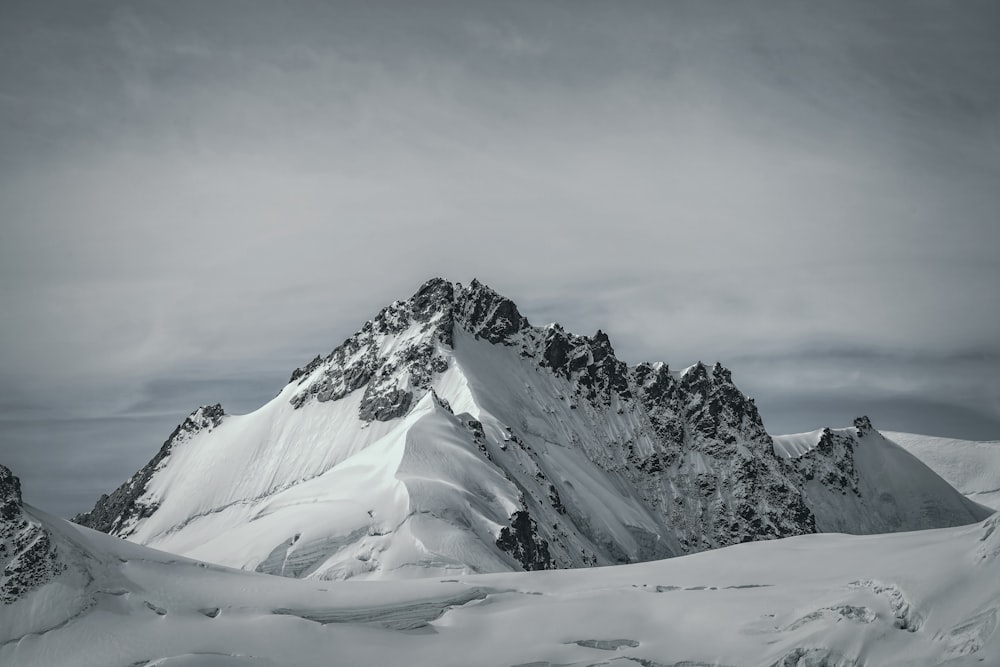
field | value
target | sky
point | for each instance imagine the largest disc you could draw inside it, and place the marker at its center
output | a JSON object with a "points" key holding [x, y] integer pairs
{"points": [[198, 197]]}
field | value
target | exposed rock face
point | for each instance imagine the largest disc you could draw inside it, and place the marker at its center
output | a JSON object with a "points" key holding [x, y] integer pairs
{"points": [[10, 495], [521, 540], [590, 363], [863, 426], [389, 376], [711, 467], [119, 512], [27, 555], [489, 315], [394, 377], [832, 461]]}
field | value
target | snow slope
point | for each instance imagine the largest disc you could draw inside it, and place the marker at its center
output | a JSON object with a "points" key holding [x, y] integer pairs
{"points": [[972, 467], [916, 598], [885, 487], [450, 436]]}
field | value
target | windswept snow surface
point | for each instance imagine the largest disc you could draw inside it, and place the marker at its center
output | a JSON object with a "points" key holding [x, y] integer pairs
{"points": [[972, 467], [918, 598]]}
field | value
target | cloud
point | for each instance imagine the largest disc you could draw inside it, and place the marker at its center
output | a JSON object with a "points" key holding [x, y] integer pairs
{"points": [[193, 193], [939, 392]]}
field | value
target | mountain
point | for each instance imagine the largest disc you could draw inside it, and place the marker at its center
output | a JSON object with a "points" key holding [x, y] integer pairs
{"points": [[451, 436], [917, 599], [971, 466]]}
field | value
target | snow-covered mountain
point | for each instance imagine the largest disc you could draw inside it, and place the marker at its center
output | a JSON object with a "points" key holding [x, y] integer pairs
{"points": [[971, 466], [450, 436], [887, 488], [915, 599]]}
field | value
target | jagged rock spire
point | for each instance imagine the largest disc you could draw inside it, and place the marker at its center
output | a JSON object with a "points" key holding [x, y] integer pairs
{"points": [[490, 315], [864, 426], [28, 559], [10, 494]]}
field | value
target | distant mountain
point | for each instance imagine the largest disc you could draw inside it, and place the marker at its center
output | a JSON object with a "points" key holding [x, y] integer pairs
{"points": [[915, 599], [971, 466], [884, 487], [449, 435]]}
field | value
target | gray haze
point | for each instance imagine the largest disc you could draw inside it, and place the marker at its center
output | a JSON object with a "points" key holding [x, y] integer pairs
{"points": [[197, 197]]}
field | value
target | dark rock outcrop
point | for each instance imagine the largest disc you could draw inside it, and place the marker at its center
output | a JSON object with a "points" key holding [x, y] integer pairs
{"points": [[10, 495], [28, 558], [521, 540], [384, 405], [489, 315], [864, 426], [391, 378], [831, 462], [711, 467]]}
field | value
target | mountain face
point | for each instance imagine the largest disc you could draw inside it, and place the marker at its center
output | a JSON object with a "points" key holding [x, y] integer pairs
{"points": [[449, 435]]}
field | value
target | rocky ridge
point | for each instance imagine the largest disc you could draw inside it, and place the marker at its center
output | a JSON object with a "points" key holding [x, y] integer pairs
{"points": [[27, 556]]}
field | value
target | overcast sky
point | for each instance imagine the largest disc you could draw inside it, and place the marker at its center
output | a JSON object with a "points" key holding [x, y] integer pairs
{"points": [[197, 197]]}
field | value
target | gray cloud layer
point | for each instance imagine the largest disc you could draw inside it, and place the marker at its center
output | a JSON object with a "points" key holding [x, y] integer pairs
{"points": [[197, 197]]}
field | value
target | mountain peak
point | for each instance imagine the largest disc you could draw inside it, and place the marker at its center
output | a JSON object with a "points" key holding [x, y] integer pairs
{"points": [[396, 355], [435, 295], [864, 426], [488, 314]]}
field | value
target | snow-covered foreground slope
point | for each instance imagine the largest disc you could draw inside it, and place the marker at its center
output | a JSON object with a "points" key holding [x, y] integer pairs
{"points": [[972, 467], [917, 598], [450, 436]]}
